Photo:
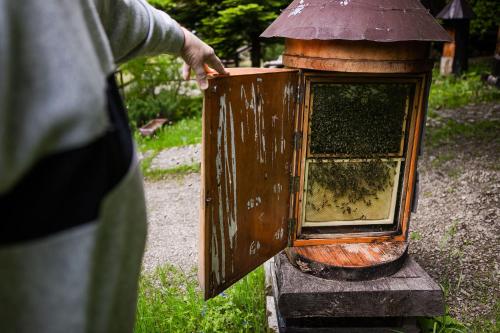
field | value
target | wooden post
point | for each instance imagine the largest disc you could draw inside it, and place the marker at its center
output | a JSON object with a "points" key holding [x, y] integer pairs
{"points": [[456, 16], [446, 66], [461, 61], [455, 54]]}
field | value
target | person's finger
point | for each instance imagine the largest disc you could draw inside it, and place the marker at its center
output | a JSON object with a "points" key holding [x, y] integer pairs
{"points": [[210, 70], [202, 83], [186, 72], [201, 76], [216, 64]]}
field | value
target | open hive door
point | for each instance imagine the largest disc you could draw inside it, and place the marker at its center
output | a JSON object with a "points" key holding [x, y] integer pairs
{"points": [[248, 130]]}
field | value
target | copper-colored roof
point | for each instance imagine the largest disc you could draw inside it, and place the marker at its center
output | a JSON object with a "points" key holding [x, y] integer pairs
{"points": [[372, 20], [457, 10]]}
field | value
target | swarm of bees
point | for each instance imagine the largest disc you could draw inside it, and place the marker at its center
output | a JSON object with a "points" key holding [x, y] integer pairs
{"points": [[344, 184], [359, 121]]}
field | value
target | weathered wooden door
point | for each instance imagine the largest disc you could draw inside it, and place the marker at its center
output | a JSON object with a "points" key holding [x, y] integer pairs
{"points": [[249, 122]]}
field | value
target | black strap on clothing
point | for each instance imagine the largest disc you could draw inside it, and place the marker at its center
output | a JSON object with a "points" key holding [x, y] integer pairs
{"points": [[65, 190]]}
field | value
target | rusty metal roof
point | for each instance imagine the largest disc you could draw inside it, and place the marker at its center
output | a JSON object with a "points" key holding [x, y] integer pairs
{"points": [[371, 20], [457, 10]]}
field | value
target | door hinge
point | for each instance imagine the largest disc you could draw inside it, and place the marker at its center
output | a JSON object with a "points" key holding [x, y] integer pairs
{"points": [[300, 94], [291, 230], [297, 140], [294, 184]]}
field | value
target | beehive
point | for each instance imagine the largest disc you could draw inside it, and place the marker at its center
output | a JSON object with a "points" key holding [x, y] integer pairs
{"points": [[319, 158]]}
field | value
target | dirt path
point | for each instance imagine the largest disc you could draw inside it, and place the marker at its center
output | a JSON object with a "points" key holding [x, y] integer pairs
{"points": [[173, 208], [455, 234]]}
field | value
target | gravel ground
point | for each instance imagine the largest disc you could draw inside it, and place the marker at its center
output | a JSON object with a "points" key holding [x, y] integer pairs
{"points": [[455, 233], [173, 208], [176, 157]]}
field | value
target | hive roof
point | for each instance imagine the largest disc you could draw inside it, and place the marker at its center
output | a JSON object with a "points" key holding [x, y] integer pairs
{"points": [[457, 10], [370, 20]]}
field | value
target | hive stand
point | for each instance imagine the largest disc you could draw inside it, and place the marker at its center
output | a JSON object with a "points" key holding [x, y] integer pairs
{"points": [[304, 303]]}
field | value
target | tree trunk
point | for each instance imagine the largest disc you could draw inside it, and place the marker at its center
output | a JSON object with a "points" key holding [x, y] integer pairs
{"points": [[256, 51]]}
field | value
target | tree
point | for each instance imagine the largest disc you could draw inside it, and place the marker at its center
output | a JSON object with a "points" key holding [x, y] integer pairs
{"points": [[241, 22], [488, 16], [228, 24]]}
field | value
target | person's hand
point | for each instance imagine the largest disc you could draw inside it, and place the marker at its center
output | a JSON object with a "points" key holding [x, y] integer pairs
{"points": [[198, 56]]}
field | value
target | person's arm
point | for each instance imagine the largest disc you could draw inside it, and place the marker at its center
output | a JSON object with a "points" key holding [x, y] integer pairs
{"points": [[135, 28]]}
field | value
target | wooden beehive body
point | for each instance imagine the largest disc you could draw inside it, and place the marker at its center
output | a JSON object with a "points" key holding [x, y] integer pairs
{"points": [[261, 147], [358, 251]]}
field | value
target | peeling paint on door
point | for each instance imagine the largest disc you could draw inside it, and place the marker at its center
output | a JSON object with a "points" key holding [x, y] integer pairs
{"points": [[279, 234], [245, 157], [254, 247]]}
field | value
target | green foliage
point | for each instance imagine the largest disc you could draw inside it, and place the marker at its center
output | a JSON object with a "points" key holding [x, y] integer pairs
{"points": [[273, 51], [453, 92], [226, 25], [444, 324], [487, 16], [154, 89], [238, 22], [170, 301]]}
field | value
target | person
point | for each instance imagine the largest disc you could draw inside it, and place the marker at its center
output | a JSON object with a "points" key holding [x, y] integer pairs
{"points": [[72, 208]]}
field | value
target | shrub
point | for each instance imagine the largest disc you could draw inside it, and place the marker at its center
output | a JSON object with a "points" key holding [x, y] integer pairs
{"points": [[153, 88], [453, 92]]}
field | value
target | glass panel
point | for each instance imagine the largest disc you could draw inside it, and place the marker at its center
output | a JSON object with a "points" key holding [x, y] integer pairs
{"points": [[351, 192], [359, 119]]}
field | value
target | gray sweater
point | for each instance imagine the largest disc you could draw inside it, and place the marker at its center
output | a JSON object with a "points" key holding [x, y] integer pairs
{"points": [[55, 56]]}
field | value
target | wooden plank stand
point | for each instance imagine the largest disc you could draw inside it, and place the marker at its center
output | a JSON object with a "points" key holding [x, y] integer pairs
{"points": [[305, 303]]}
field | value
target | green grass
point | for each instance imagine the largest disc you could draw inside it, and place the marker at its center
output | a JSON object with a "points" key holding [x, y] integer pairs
{"points": [[415, 235], [488, 325], [159, 174], [447, 324], [442, 159], [170, 301], [453, 92], [444, 324], [484, 130], [185, 132]]}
